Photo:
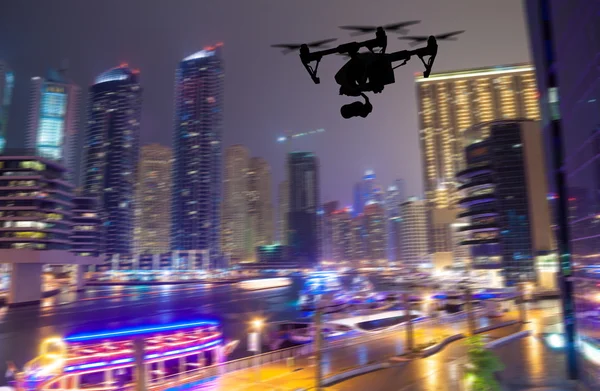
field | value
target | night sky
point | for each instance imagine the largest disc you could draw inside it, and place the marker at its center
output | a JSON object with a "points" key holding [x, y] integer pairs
{"points": [[265, 92]]}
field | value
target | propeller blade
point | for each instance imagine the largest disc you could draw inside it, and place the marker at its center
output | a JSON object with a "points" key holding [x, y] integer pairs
{"points": [[399, 27], [449, 35], [320, 43], [414, 40]]}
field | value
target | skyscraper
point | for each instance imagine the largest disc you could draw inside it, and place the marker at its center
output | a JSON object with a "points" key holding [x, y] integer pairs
{"points": [[565, 47], [303, 174], [53, 117], [394, 196], [366, 191], [235, 203], [413, 233], [7, 83], [196, 201], [375, 228], [449, 103], [153, 199], [341, 233], [505, 192], [111, 153], [260, 207], [327, 228], [284, 206]]}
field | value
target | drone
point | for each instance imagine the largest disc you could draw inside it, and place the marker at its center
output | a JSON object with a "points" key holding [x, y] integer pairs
{"points": [[371, 70]]}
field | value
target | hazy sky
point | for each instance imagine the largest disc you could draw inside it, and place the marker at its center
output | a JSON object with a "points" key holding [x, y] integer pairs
{"points": [[265, 92]]}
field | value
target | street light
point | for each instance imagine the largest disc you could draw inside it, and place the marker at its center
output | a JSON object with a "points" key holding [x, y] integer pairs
{"points": [[254, 343]]}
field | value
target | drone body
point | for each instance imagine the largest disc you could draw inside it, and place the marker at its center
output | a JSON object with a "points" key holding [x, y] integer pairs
{"points": [[368, 71]]}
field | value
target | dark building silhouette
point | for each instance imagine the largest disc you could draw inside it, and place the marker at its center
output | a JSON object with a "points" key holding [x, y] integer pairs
{"points": [[303, 232], [565, 47], [112, 152], [197, 152]]}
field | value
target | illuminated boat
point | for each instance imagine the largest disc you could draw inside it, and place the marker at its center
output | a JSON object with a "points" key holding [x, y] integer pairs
{"points": [[323, 290], [110, 360], [265, 283], [362, 289]]}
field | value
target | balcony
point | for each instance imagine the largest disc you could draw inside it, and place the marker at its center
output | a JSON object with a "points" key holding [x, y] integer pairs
{"points": [[484, 181], [487, 210], [474, 241], [479, 227], [477, 199], [474, 170]]}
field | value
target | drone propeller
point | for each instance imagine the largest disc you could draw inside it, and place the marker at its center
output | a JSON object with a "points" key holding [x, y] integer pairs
{"points": [[417, 39], [395, 27], [290, 47]]}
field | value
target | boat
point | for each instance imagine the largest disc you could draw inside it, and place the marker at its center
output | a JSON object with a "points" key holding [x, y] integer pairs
{"points": [[322, 290], [362, 289], [265, 283], [91, 360]]}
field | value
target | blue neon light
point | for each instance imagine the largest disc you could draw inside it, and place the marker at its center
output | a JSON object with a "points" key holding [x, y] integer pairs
{"points": [[138, 330], [148, 357]]}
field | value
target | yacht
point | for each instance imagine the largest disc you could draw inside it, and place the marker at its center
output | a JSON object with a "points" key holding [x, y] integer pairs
{"points": [[322, 290]]}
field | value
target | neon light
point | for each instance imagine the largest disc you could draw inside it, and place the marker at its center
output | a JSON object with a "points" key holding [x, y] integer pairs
{"points": [[139, 330], [200, 54], [473, 74], [147, 357]]}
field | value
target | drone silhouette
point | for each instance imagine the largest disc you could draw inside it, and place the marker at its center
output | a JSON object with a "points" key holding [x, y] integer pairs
{"points": [[368, 71]]}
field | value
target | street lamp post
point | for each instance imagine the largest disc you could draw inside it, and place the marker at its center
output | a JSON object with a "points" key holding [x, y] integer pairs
{"points": [[409, 325], [257, 325], [318, 348]]}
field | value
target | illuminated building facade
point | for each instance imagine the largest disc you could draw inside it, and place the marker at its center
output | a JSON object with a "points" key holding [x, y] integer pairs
{"points": [[303, 229], [7, 84], [376, 231], [111, 152], [283, 210], [367, 191], [53, 117], [35, 203], [197, 182], [565, 46], [326, 219], [505, 193], [235, 203], [87, 235], [341, 235], [414, 249], [450, 103], [153, 199], [260, 208], [358, 238], [394, 196]]}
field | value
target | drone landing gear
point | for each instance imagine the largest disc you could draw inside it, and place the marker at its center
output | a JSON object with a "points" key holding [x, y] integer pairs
{"points": [[357, 109]]}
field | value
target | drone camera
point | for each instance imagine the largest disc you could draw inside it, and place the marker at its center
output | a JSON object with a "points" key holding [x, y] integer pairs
{"points": [[356, 109]]}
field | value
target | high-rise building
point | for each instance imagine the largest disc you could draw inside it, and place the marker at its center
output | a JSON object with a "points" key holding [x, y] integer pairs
{"points": [[375, 228], [394, 196], [235, 203], [413, 233], [565, 46], [7, 84], [153, 199], [87, 235], [359, 239], [53, 117], [260, 207], [449, 103], [366, 191], [197, 137], [284, 207], [505, 192], [35, 202], [341, 234], [327, 228], [111, 153], [303, 236]]}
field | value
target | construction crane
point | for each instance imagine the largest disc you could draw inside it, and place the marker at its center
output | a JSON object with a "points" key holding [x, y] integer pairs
{"points": [[289, 136]]}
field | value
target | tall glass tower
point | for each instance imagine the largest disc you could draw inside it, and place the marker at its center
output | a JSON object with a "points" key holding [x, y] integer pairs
{"points": [[196, 201], [112, 151], [303, 228], [53, 117], [7, 83]]}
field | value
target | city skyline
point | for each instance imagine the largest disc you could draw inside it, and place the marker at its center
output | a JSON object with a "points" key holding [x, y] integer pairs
{"points": [[386, 143]]}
